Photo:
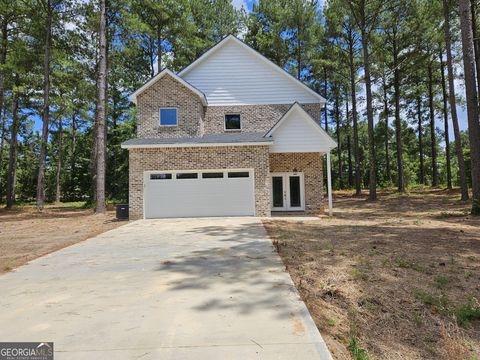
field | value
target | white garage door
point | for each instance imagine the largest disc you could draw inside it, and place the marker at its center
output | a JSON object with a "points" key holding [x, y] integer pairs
{"points": [[199, 193]]}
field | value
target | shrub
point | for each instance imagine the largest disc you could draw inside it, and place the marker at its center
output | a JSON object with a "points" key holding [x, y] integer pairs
{"points": [[466, 313], [357, 352]]}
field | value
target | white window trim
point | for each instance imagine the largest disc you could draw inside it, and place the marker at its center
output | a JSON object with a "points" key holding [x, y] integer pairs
{"points": [[225, 122], [160, 116]]}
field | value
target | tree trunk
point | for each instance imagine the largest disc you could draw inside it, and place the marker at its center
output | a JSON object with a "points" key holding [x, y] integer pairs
{"points": [[453, 104], [386, 114], [433, 141], [59, 160], [3, 131], [339, 143], [371, 138], [398, 121], [472, 101], [299, 55], [325, 109], [46, 110], [74, 153], [151, 56], [159, 50], [12, 163], [3, 117], [114, 116], [445, 118], [420, 141], [356, 151], [349, 143], [476, 42], [101, 113]]}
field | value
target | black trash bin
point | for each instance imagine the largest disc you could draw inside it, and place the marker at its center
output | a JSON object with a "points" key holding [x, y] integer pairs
{"points": [[122, 211]]}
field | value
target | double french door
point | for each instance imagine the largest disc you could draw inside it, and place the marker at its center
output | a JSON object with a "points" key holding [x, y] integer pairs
{"points": [[287, 192]]}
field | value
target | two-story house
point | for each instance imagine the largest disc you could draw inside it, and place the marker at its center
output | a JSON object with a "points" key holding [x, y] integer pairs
{"points": [[231, 134]]}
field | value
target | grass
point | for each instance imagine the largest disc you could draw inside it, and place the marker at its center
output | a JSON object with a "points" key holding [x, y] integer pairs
{"points": [[332, 322], [408, 264], [440, 302], [424, 297], [466, 313], [357, 352], [32, 204], [441, 281], [25, 204], [358, 274]]}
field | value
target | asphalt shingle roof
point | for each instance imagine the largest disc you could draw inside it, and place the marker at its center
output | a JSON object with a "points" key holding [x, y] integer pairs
{"points": [[227, 138]]}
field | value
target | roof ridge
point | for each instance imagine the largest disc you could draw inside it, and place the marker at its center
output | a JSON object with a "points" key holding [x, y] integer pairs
{"points": [[161, 74]]}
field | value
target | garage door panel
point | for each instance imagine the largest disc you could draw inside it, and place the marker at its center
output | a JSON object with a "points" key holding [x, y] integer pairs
{"points": [[199, 197]]}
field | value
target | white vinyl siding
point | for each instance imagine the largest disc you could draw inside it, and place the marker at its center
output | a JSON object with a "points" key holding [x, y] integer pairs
{"points": [[235, 75], [297, 133]]}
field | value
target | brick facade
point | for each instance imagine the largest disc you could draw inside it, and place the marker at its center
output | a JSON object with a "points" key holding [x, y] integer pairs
{"points": [[253, 117], [231, 157], [168, 92], [311, 164]]}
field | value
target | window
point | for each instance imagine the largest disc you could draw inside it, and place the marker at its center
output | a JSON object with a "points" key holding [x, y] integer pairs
{"points": [[232, 122], [187, 176], [168, 117], [212, 175], [239, 174], [160, 176]]}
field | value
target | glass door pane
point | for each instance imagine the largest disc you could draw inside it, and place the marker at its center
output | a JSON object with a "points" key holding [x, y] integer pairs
{"points": [[277, 190], [295, 197]]}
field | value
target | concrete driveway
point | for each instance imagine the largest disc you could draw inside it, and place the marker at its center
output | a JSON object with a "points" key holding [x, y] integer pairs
{"points": [[162, 289]]}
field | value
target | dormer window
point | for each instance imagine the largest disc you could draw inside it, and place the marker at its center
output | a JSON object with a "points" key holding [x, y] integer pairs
{"points": [[168, 117], [232, 122]]}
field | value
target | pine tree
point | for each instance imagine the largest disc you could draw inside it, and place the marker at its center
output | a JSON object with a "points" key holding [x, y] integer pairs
{"points": [[472, 100]]}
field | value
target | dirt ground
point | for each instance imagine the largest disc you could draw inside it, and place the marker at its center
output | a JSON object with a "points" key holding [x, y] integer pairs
{"points": [[393, 279], [26, 234]]}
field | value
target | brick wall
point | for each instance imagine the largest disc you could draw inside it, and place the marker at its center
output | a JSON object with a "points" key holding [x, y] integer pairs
{"points": [[194, 119], [168, 92], [256, 157], [311, 165], [253, 117]]}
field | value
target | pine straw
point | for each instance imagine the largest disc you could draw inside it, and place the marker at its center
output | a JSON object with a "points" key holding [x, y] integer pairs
{"points": [[26, 234], [389, 274]]}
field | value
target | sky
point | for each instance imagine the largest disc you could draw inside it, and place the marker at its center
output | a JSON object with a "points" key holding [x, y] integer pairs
{"points": [[462, 115], [247, 4], [461, 111]]}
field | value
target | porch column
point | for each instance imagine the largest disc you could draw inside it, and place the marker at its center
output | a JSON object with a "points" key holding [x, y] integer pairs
{"points": [[329, 184]]}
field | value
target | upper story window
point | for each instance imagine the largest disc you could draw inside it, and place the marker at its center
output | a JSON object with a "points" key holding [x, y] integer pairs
{"points": [[168, 117], [232, 122]]}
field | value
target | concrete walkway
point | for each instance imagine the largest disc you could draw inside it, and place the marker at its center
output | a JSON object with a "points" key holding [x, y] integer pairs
{"points": [[162, 289]]}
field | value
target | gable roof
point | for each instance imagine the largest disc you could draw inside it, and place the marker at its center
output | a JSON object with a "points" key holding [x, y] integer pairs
{"points": [[259, 57], [306, 117], [160, 75]]}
